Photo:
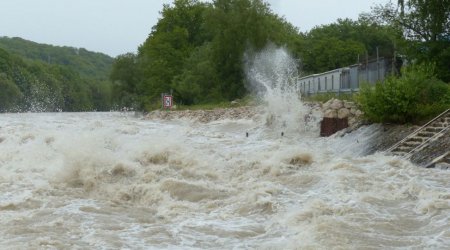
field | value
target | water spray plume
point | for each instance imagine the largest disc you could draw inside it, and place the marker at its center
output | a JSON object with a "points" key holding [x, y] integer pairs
{"points": [[272, 75]]}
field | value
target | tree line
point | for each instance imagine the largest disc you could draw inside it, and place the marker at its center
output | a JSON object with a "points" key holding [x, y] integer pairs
{"points": [[421, 91], [197, 49]]}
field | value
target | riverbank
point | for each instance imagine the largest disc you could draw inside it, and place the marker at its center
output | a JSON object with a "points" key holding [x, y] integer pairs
{"points": [[384, 135], [205, 116]]}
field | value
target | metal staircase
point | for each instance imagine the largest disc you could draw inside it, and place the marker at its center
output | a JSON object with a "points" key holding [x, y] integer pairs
{"points": [[420, 138]]}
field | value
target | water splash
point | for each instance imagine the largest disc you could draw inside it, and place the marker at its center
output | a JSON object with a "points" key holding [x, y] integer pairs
{"points": [[124, 182], [42, 98], [272, 75]]}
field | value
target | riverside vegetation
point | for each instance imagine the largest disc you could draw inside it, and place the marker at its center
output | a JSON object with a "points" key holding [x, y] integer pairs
{"points": [[198, 51]]}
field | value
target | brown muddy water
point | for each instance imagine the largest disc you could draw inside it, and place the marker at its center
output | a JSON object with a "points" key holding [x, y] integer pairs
{"points": [[114, 181]]}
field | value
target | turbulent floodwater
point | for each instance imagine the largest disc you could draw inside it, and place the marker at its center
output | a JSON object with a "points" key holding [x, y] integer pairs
{"points": [[111, 180]]}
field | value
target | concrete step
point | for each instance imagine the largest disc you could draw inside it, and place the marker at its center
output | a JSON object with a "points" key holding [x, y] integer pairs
{"points": [[399, 153], [419, 139], [425, 134], [415, 139], [404, 149], [440, 124], [412, 143], [433, 129]]}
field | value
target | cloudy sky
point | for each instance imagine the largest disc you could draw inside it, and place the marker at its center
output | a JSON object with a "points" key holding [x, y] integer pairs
{"points": [[118, 26]]}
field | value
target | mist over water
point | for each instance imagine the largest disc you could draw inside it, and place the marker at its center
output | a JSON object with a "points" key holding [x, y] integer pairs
{"points": [[113, 180]]}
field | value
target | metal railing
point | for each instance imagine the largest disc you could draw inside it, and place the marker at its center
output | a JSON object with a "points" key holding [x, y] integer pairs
{"points": [[437, 160], [418, 131], [423, 144]]}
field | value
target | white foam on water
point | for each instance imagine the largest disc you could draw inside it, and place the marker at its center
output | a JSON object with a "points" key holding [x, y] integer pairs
{"points": [[105, 180], [114, 181]]}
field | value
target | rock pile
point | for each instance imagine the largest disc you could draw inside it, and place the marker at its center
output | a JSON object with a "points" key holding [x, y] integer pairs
{"points": [[205, 116], [339, 109]]}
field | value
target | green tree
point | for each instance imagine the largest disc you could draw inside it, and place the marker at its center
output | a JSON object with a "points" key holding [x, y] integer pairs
{"points": [[88, 64], [242, 25], [10, 95], [162, 56], [199, 81], [416, 95], [424, 20], [426, 26], [197, 49], [32, 84], [125, 75], [342, 43]]}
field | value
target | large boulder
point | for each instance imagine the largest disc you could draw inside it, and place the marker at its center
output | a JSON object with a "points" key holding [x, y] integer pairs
{"points": [[343, 113], [330, 113], [326, 105], [336, 104]]}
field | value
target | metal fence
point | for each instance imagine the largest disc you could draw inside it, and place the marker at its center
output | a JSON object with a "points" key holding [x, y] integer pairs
{"points": [[347, 79]]}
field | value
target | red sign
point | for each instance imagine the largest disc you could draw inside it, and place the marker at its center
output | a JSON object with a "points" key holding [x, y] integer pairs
{"points": [[167, 101]]}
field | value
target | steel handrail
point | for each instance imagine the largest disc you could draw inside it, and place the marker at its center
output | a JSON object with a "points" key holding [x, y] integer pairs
{"points": [[435, 136], [437, 159], [417, 131]]}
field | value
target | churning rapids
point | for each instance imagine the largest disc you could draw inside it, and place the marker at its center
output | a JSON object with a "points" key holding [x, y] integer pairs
{"points": [[112, 180]]}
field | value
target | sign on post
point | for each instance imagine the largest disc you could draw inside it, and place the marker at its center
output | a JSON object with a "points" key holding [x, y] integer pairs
{"points": [[167, 101]]}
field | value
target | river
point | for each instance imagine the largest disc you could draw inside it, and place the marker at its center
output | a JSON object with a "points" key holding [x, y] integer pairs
{"points": [[113, 180]]}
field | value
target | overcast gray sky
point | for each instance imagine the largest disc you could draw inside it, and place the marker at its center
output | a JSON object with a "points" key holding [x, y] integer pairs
{"points": [[118, 26]]}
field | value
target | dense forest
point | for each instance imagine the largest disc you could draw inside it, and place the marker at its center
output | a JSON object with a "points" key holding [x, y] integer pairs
{"points": [[197, 50], [38, 77]]}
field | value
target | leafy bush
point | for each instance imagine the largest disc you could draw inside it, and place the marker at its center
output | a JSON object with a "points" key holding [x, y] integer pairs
{"points": [[414, 96]]}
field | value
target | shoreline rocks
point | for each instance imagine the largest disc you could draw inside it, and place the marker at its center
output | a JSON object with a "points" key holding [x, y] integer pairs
{"points": [[205, 116], [335, 108]]}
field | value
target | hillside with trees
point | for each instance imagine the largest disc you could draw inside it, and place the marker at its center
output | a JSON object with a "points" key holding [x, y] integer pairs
{"points": [[86, 63], [197, 50], [37, 77]]}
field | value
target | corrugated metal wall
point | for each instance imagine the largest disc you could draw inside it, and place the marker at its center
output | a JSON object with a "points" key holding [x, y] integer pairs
{"points": [[345, 79]]}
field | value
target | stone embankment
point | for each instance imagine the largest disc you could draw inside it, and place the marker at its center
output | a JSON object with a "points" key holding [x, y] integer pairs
{"points": [[205, 116]]}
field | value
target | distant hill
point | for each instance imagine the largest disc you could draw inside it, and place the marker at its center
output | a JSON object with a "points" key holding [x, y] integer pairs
{"points": [[44, 78], [88, 64]]}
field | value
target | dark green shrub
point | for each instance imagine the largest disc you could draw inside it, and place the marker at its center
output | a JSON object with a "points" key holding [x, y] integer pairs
{"points": [[414, 96]]}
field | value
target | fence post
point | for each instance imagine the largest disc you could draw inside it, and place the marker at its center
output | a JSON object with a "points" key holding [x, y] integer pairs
{"points": [[378, 66], [367, 66]]}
